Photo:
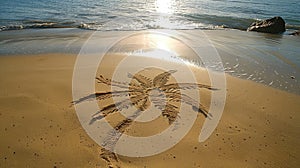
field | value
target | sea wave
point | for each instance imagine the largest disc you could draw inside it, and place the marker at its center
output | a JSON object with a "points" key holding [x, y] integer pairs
{"points": [[191, 21], [104, 15], [39, 25]]}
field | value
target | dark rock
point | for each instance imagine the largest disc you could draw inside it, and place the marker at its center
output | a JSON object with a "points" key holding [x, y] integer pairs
{"points": [[296, 33], [274, 25]]}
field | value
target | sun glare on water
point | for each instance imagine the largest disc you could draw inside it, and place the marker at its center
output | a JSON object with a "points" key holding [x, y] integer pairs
{"points": [[165, 9], [164, 6]]}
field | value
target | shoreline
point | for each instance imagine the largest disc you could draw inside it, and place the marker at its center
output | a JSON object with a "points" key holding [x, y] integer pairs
{"points": [[90, 27], [290, 29], [259, 126], [45, 56], [247, 55]]}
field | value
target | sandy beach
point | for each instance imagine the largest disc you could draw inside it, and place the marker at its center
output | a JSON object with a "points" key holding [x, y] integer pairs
{"points": [[149, 84], [39, 128]]}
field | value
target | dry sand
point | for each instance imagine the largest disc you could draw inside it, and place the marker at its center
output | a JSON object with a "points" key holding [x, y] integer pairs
{"points": [[38, 128]]}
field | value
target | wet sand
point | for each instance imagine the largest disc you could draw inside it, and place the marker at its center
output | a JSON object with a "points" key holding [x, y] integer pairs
{"points": [[39, 128]]}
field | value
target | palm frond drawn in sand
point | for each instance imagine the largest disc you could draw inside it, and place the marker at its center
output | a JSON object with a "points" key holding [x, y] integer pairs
{"points": [[139, 95], [142, 91]]}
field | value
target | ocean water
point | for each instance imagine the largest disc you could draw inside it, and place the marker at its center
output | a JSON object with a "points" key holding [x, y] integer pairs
{"points": [[106, 15]]}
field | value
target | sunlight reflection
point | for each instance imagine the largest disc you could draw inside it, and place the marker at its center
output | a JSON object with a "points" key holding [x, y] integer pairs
{"points": [[157, 46], [165, 9], [163, 46], [161, 42], [164, 6]]}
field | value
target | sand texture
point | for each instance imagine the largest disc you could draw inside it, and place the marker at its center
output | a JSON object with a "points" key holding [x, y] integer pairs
{"points": [[38, 127]]}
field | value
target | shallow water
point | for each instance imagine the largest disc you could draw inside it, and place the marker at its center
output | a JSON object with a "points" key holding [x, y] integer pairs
{"points": [[140, 15], [272, 60]]}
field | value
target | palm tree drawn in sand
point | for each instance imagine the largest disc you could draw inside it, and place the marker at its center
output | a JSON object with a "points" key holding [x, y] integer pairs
{"points": [[142, 91]]}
